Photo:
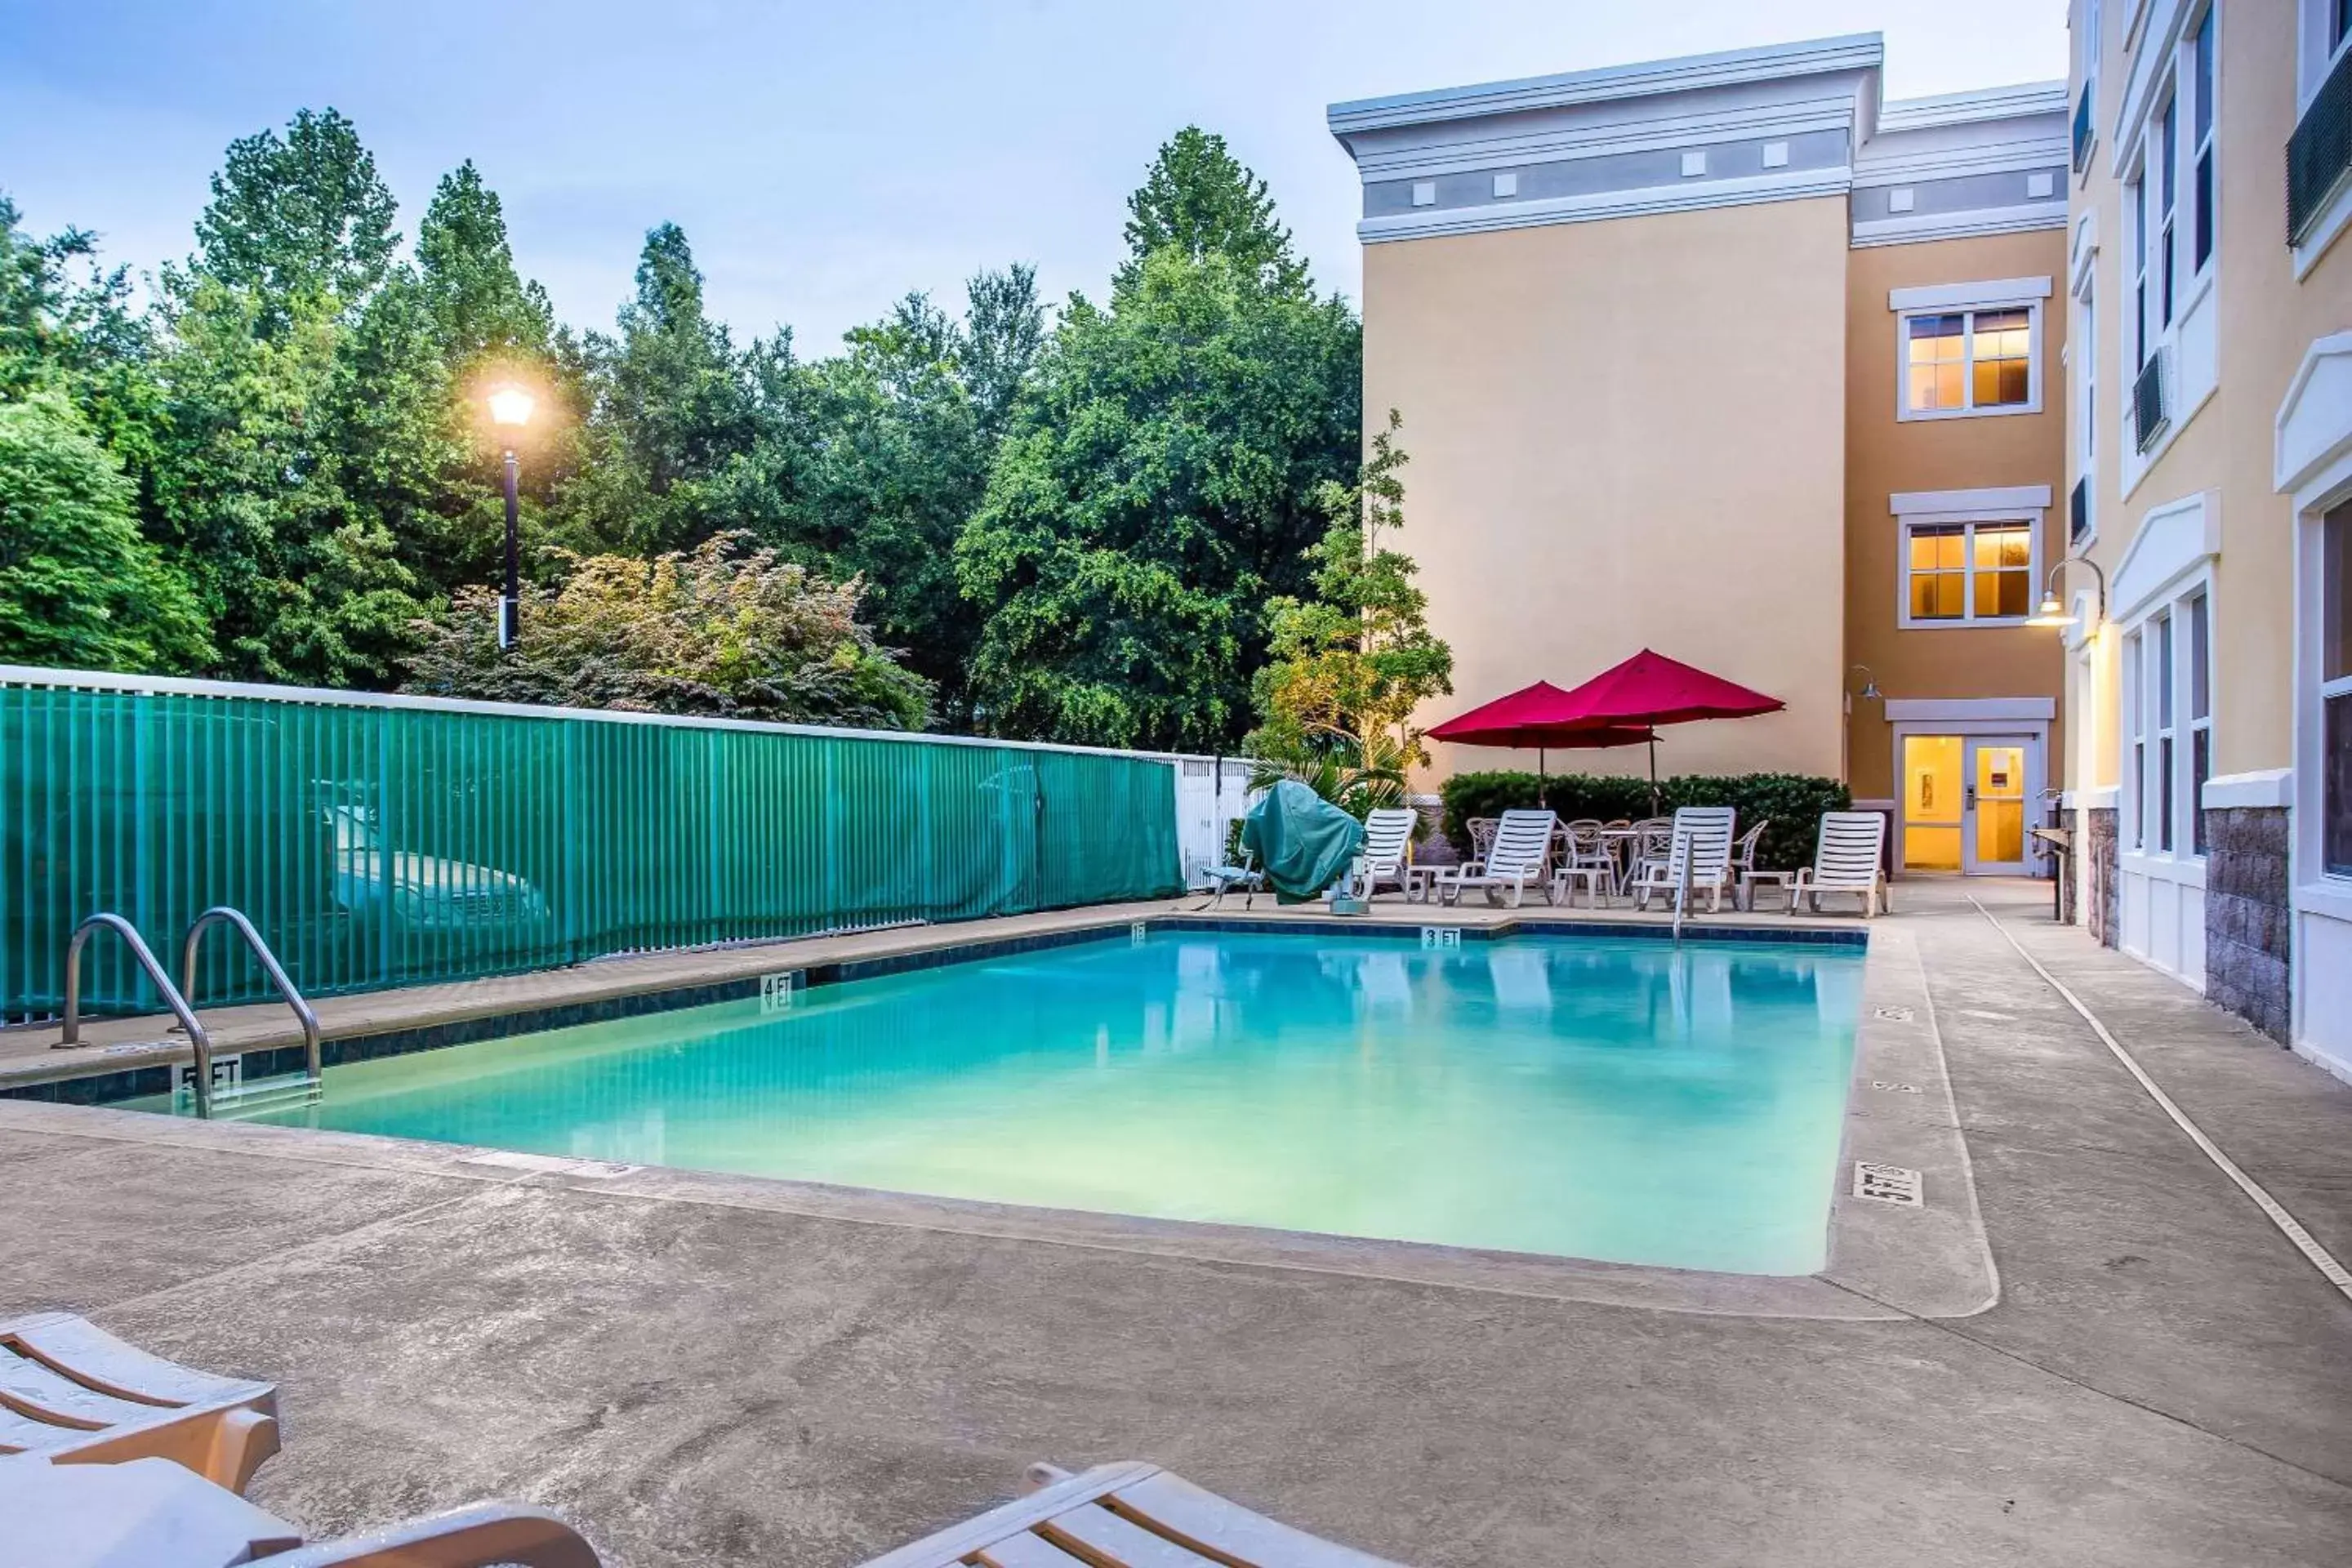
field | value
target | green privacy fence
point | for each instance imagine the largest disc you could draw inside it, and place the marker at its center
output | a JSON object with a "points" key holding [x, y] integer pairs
{"points": [[391, 841]]}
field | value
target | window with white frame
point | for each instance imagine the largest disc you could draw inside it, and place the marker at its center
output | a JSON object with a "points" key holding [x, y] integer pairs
{"points": [[2201, 194], [2086, 349], [2136, 707], [1967, 570], [1969, 362], [2168, 156], [2168, 705], [2135, 205], [2335, 692]]}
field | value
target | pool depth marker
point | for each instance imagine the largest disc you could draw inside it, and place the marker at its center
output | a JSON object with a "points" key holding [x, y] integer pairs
{"points": [[2288, 1226]]}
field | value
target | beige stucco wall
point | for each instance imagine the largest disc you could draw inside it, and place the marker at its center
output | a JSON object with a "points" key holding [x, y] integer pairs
{"points": [[1627, 433], [2267, 318], [1885, 456]]}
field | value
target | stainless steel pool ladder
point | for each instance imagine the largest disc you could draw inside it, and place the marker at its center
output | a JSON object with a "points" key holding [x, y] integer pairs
{"points": [[176, 996]]}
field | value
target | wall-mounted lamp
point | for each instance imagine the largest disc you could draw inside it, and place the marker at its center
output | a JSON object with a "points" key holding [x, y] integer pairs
{"points": [[2052, 612], [1869, 692]]}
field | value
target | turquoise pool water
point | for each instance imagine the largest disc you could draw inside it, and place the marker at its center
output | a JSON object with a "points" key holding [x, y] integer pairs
{"points": [[1604, 1098]]}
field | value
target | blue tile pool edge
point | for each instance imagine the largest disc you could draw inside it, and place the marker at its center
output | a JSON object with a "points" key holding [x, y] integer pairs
{"points": [[132, 1083]]}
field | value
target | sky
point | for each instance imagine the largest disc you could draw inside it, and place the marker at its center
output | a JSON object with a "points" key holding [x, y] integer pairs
{"points": [[826, 158]]}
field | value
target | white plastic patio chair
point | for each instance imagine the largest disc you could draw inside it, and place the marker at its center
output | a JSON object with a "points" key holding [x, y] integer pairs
{"points": [[1700, 840], [1846, 859], [1585, 861], [1388, 851], [1516, 860], [1222, 880]]}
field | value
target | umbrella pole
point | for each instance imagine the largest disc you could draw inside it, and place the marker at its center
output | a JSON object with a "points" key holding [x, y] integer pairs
{"points": [[1653, 775]]}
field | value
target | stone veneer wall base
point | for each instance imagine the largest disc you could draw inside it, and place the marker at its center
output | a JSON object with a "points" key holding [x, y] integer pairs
{"points": [[2099, 900], [2247, 920]]}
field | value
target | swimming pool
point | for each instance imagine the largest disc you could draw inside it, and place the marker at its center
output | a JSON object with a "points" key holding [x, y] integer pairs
{"points": [[1600, 1098]]}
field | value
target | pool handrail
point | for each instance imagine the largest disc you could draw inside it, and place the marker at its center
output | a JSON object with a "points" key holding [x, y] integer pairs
{"points": [[173, 999], [223, 914]]}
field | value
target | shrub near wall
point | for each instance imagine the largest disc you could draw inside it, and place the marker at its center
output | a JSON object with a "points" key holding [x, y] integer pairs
{"points": [[1792, 802]]}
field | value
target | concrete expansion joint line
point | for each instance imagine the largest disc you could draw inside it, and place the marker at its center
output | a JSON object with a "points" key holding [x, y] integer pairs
{"points": [[327, 1241], [2288, 1226], [1956, 1329]]}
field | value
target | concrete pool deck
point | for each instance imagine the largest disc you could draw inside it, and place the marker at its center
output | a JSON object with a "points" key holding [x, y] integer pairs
{"points": [[695, 1379]]}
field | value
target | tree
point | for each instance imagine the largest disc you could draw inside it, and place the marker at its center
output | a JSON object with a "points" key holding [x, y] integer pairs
{"points": [[673, 408], [480, 305], [1199, 200], [1004, 329], [79, 587], [1157, 489], [1347, 667], [724, 629], [300, 216]]}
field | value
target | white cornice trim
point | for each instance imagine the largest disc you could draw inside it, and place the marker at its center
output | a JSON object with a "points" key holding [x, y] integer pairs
{"points": [[2267, 787], [1969, 296], [1431, 221], [2021, 156], [1689, 73], [2010, 103], [2314, 426], [2006, 498], [1558, 144], [1911, 229], [1955, 710], [2173, 542]]}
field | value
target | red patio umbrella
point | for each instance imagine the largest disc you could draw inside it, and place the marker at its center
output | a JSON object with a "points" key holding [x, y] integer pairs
{"points": [[1650, 688], [1537, 716]]}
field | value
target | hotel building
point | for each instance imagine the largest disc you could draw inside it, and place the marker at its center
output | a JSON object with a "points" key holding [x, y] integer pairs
{"points": [[2208, 296], [1730, 357]]}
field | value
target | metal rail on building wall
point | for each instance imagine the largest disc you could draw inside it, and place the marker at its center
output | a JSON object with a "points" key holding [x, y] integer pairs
{"points": [[197, 1039], [222, 914]]}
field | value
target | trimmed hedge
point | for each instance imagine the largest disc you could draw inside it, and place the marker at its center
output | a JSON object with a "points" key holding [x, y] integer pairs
{"points": [[1793, 803]]}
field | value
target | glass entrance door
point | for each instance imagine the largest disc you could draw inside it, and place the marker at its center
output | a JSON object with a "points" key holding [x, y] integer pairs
{"points": [[1992, 834], [1964, 802], [1934, 795]]}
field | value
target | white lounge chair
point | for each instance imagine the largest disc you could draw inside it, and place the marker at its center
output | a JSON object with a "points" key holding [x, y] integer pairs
{"points": [[1387, 852], [1516, 860], [1846, 859], [1113, 1516], [1248, 875], [1123, 1516], [1701, 840]]}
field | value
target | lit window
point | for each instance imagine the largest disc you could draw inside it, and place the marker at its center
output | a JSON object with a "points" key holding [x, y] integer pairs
{"points": [[1965, 572], [1939, 578], [1963, 362]]}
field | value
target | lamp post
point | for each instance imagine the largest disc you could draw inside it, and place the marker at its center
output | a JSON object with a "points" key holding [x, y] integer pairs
{"points": [[511, 409]]}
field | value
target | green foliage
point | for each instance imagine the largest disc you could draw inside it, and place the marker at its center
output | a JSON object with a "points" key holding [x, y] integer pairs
{"points": [[1072, 533], [79, 587], [298, 217], [724, 629], [1198, 200], [1791, 803], [1158, 486], [1347, 667]]}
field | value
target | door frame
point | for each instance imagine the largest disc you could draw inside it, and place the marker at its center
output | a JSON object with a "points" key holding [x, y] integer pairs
{"points": [[2034, 731], [2025, 865]]}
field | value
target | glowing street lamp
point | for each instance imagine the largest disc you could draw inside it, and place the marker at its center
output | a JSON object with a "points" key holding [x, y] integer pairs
{"points": [[511, 409]]}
